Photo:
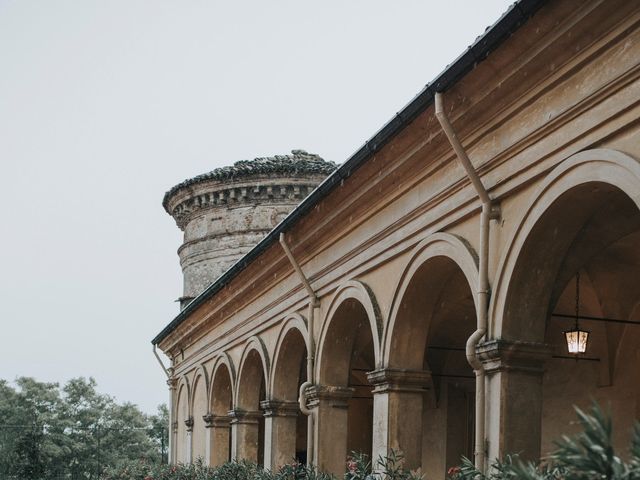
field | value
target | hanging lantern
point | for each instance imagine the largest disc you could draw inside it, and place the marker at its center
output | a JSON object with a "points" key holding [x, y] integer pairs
{"points": [[576, 338]]}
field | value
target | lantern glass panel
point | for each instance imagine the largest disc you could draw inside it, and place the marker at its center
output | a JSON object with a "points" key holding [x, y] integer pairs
{"points": [[577, 341]]}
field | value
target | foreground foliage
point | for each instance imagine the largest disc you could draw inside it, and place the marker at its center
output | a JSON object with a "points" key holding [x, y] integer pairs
{"points": [[358, 467], [53, 432], [588, 455]]}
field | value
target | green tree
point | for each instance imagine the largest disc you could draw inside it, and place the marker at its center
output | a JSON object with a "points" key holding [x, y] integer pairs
{"points": [[72, 432], [29, 416], [10, 418], [159, 432]]}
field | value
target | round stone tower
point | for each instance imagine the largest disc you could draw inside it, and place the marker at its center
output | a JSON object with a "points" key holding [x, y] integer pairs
{"points": [[225, 212]]}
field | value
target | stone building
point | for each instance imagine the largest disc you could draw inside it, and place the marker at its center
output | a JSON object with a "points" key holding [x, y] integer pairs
{"points": [[418, 299]]}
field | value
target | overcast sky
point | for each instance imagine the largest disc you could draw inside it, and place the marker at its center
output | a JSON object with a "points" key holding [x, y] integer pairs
{"points": [[104, 105]]}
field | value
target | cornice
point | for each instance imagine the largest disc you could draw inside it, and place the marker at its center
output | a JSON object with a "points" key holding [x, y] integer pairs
{"points": [[225, 197], [298, 164]]}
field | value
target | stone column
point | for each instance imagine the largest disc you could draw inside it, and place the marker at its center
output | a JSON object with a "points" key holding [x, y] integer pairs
{"points": [[171, 383], [217, 439], [244, 434], [514, 396], [398, 397], [331, 410], [280, 420], [189, 423], [173, 433]]}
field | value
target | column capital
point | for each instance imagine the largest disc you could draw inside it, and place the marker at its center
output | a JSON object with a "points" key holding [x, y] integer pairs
{"points": [[172, 383], [399, 380], [278, 408], [508, 355], [213, 421], [244, 417], [189, 423], [338, 397]]}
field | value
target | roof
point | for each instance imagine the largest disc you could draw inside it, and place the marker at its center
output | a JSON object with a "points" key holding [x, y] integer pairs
{"points": [[298, 163], [517, 14]]}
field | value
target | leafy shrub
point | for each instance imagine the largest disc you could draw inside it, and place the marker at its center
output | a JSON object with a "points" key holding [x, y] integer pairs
{"points": [[588, 455], [358, 468], [386, 468]]}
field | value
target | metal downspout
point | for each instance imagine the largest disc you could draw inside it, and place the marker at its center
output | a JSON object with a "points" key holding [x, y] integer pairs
{"points": [[489, 211], [155, 352], [313, 304], [166, 372]]}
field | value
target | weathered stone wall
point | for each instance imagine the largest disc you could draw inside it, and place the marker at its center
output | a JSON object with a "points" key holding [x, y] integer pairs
{"points": [[220, 232], [225, 213]]}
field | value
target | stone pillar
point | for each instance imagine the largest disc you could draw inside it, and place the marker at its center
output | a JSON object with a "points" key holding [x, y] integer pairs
{"points": [[171, 383], [398, 396], [217, 439], [331, 410], [280, 421], [245, 435], [189, 423], [173, 433], [514, 396]]}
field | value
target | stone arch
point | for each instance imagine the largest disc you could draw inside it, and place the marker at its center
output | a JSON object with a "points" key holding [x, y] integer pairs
{"points": [[349, 348], [199, 407], [185, 385], [181, 414], [223, 371], [248, 419], [287, 425], [595, 167], [351, 291], [433, 313], [286, 354], [583, 219], [220, 404], [200, 375], [457, 253], [254, 346]]}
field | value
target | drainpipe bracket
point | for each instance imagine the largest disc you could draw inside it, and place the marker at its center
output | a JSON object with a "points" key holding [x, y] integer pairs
{"points": [[495, 211]]}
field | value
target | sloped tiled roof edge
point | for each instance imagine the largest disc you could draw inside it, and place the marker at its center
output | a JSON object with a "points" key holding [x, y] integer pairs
{"points": [[517, 14]]}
